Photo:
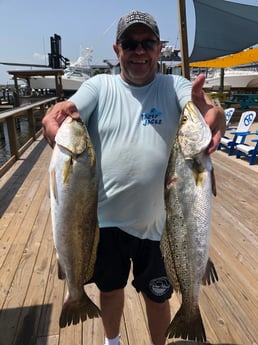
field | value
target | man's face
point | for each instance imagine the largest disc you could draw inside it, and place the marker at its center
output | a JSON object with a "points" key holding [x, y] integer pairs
{"points": [[138, 64]]}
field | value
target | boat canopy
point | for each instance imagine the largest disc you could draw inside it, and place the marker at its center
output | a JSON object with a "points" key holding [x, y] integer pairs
{"points": [[223, 28]]}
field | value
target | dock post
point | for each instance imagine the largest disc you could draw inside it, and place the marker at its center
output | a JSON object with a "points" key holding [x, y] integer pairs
{"points": [[59, 86], [16, 99], [10, 121], [31, 120]]}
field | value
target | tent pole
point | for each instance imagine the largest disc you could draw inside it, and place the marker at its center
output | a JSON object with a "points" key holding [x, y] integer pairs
{"points": [[221, 88], [183, 38]]}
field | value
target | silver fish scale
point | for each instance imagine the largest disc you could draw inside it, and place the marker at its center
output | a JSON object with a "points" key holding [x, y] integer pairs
{"points": [[194, 134], [168, 243], [74, 193], [185, 240], [76, 143]]}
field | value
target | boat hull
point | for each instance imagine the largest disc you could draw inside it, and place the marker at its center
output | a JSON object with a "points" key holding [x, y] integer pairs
{"points": [[234, 79], [49, 83]]}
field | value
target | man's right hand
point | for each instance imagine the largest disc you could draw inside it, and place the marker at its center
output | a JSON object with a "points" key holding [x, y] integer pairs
{"points": [[54, 118]]}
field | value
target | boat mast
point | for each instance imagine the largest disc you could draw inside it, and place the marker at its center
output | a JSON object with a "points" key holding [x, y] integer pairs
{"points": [[183, 38]]}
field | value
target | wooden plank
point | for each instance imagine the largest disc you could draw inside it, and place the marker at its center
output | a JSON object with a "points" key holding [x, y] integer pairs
{"points": [[54, 296], [71, 335], [93, 332], [22, 275], [21, 255], [35, 292], [19, 182], [14, 240], [230, 306], [51, 340], [243, 242], [235, 272], [31, 296], [134, 317]]}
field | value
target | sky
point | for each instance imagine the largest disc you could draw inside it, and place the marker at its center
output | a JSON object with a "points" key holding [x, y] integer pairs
{"points": [[26, 27]]}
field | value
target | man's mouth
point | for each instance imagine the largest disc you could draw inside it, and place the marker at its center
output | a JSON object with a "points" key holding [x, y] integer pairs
{"points": [[139, 62]]}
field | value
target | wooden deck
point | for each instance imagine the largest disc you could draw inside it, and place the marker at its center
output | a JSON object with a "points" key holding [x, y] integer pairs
{"points": [[31, 295]]}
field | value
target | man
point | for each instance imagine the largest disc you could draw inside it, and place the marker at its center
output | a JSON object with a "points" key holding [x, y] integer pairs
{"points": [[132, 119]]}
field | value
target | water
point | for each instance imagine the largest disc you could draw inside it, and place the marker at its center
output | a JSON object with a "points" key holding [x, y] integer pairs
{"points": [[24, 133]]}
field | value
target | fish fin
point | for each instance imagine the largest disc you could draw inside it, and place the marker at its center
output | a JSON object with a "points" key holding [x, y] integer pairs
{"points": [[210, 275], [198, 171], [60, 272], [91, 264], [67, 170], [213, 183], [187, 325], [91, 152], [74, 311], [53, 186]]}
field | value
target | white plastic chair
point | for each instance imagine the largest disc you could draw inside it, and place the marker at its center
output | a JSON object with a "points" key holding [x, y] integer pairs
{"points": [[239, 135], [228, 114], [249, 151]]}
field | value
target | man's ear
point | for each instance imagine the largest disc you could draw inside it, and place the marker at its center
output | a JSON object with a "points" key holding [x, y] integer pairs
{"points": [[116, 50]]}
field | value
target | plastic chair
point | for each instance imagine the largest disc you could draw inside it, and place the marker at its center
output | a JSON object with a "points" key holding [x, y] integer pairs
{"points": [[228, 114], [239, 136], [249, 151]]}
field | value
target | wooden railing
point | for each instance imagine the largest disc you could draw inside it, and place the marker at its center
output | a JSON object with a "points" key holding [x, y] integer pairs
{"points": [[10, 117]]}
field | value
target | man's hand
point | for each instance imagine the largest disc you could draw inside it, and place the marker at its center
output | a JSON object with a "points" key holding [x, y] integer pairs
{"points": [[54, 118], [213, 114]]}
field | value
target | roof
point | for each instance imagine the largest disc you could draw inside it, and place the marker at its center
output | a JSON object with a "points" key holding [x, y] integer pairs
{"points": [[39, 72]]}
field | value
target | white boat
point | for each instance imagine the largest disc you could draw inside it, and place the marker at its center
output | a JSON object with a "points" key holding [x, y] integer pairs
{"points": [[235, 78], [74, 75], [71, 80]]}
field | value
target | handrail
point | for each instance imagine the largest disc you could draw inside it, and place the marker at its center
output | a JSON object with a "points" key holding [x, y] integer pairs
{"points": [[21, 110], [9, 117]]}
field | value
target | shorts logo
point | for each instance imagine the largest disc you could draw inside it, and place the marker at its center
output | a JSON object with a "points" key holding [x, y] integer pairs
{"points": [[159, 286]]}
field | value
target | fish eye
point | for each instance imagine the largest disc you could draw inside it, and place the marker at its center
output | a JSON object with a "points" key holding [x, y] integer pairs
{"points": [[184, 119]]}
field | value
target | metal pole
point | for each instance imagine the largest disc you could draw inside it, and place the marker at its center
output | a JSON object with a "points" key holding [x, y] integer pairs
{"points": [[183, 38], [221, 88]]}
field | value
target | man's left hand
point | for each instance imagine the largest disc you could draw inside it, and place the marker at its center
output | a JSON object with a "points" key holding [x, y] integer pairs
{"points": [[214, 115]]}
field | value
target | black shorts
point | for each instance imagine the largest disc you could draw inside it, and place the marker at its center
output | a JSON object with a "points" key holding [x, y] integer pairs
{"points": [[117, 250]]}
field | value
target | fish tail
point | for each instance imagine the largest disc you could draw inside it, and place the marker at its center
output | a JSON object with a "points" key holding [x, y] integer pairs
{"points": [[210, 275], [187, 326], [74, 311]]}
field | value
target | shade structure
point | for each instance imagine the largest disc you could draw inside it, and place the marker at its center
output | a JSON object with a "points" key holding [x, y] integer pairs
{"points": [[245, 57], [223, 28]]}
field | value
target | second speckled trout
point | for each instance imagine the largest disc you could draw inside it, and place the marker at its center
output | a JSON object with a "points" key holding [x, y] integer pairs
{"points": [[185, 242], [74, 196]]}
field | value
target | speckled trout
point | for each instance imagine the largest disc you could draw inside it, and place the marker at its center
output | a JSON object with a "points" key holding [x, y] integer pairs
{"points": [[189, 184], [73, 194]]}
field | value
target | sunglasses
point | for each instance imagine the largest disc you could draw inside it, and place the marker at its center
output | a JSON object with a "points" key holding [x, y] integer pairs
{"points": [[131, 45]]}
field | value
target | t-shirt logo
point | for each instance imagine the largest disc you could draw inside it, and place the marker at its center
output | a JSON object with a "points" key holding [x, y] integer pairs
{"points": [[153, 117]]}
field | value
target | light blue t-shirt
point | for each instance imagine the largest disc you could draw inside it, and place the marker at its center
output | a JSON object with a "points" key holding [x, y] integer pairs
{"points": [[132, 129]]}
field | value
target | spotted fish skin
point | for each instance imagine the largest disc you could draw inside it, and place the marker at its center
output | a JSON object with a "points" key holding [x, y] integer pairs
{"points": [[73, 196], [189, 184]]}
